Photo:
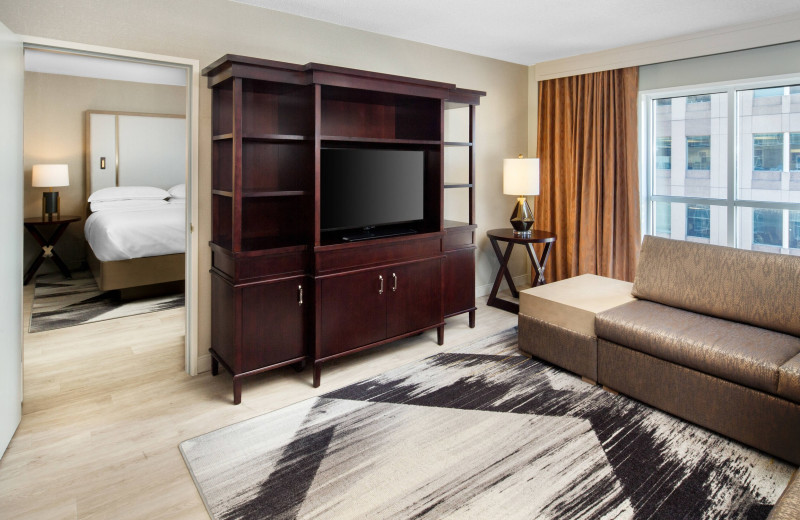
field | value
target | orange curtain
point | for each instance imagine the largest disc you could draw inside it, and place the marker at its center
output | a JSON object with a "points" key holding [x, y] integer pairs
{"points": [[589, 182]]}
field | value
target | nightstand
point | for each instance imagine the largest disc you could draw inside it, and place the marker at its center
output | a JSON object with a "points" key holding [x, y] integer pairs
{"points": [[34, 226]]}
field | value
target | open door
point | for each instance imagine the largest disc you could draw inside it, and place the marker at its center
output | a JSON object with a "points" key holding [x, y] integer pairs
{"points": [[11, 173]]}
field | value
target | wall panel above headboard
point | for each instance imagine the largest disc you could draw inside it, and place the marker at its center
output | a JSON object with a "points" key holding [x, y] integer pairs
{"points": [[138, 150]]}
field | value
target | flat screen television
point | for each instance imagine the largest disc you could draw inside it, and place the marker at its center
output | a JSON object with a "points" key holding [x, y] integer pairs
{"points": [[361, 189]]}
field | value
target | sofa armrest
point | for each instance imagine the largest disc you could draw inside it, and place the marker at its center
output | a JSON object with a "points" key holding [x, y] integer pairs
{"points": [[788, 506]]}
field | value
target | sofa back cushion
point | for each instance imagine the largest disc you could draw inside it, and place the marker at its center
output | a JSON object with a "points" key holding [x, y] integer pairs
{"points": [[762, 289]]}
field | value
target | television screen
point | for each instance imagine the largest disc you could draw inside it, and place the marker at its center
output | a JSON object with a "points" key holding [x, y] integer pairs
{"points": [[363, 188]]}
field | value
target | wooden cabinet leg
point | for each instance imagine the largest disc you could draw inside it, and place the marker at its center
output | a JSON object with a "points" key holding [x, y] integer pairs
{"points": [[472, 319], [237, 391], [440, 335], [214, 366], [317, 373]]}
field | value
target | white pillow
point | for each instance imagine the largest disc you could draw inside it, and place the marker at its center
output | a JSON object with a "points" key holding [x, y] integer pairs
{"points": [[128, 193], [126, 205], [178, 191]]}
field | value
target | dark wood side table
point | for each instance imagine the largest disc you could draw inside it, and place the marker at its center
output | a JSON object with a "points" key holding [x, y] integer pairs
{"points": [[33, 225], [507, 235]]}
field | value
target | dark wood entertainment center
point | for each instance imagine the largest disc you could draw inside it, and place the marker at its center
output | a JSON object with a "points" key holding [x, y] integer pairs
{"points": [[284, 290]]}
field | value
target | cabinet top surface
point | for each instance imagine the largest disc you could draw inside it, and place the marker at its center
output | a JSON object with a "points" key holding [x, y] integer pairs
{"points": [[314, 73]]}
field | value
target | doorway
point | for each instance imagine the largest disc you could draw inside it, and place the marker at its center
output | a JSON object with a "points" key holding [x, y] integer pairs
{"points": [[189, 69]]}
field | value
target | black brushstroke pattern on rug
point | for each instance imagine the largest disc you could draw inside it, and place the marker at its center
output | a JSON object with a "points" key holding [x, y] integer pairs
{"points": [[633, 462], [283, 492]]}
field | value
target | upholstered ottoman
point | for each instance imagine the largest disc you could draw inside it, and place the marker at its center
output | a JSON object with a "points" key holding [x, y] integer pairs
{"points": [[556, 321]]}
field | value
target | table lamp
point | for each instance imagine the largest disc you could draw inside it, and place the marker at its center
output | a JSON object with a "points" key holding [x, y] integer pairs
{"points": [[50, 176], [520, 178]]}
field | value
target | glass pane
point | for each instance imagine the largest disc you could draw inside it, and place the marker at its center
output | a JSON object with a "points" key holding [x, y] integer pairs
{"points": [[794, 152], [768, 227], [768, 152], [689, 152], [765, 171], [794, 229], [768, 92], [664, 153], [693, 222], [698, 152], [663, 219], [698, 221]]}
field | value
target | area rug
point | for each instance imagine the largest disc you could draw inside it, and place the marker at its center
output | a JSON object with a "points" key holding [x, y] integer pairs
{"points": [[59, 302], [478, 432]]}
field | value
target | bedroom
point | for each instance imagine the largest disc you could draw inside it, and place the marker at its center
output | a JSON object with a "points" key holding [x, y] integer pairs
{"points": [[506, 127], [99, 118]]}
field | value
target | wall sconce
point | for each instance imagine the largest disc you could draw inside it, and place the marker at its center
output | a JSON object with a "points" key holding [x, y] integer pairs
{"points": [[102, 163]]}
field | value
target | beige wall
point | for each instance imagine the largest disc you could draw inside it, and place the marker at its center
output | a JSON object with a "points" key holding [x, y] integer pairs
{"points": [[207, 29], [54, 132]]}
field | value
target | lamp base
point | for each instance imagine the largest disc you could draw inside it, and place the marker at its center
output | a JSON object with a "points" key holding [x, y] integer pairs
{"points": [[522, 218], [51, 205]]}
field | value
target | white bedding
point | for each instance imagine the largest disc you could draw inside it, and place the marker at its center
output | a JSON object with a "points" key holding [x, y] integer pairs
{"points": [[125, 233]]}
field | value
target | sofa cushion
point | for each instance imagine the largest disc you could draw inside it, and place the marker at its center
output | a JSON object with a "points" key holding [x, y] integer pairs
{"points": [[735, 284], [736, 352], [789, 379]]}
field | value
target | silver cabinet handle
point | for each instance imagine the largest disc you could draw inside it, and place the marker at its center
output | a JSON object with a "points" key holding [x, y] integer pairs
{"points": [[300, 295], [394, 287], [380, 277]]}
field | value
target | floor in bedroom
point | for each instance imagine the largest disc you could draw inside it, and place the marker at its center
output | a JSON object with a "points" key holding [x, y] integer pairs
{"points": [[106, 405]]}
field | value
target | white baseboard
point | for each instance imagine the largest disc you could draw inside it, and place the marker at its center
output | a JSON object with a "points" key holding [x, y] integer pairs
{"points": [[203, 363], [522, 280]]}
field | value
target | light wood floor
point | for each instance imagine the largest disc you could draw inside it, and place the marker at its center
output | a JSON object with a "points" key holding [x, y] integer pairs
{"points": [[106, 405]]}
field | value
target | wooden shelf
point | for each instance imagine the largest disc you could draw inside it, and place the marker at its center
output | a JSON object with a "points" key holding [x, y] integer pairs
{"points": [[456, 143], [274, 193], [222, 137], [453, 224], [222, 193], [276, 138], [458, 185], [346, 139]]}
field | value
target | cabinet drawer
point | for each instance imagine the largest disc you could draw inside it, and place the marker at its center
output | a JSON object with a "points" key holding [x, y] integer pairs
{"points": [[350, 256]]}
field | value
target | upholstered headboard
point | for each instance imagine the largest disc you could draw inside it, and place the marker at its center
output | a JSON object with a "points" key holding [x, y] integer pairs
{"points": [[132, 149]]}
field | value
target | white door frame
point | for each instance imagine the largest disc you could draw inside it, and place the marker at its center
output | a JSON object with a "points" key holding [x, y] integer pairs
{"points": [[192, 175]]}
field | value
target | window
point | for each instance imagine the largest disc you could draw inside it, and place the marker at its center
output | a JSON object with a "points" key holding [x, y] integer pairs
{"points": [[768, 227], [794, 229], [664, 219], [768, 92], [768, 152], [664, 153], [794, 152], [698, 221], [698, 152], [696, 192]]}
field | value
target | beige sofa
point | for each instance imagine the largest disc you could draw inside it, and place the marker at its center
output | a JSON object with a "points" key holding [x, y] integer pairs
{"points": [[707, 333]]}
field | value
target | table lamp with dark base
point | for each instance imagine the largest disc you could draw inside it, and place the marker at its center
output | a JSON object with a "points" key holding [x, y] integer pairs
{"points": [[521, 177]]}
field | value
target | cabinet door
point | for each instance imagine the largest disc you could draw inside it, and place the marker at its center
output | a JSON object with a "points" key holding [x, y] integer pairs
{"points": [[459, 281], [415, 296], [273, 322], [353, 311]]}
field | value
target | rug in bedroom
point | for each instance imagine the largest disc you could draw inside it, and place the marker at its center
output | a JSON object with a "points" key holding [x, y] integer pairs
{"points": [[59, 302], [478, 432]]}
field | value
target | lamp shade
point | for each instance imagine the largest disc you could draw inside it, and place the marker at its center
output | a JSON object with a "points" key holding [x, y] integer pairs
{"points": [[50, 175], [521, 176]]}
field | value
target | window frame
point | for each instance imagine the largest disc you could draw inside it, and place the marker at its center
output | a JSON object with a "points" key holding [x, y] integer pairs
{"points": [[647, 149]]}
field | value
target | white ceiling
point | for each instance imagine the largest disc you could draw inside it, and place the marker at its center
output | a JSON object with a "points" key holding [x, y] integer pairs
{"points": [[533, 31]]}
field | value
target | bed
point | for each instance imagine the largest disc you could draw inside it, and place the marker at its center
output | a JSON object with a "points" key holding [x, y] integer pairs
{"points": [[136, 220]]}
